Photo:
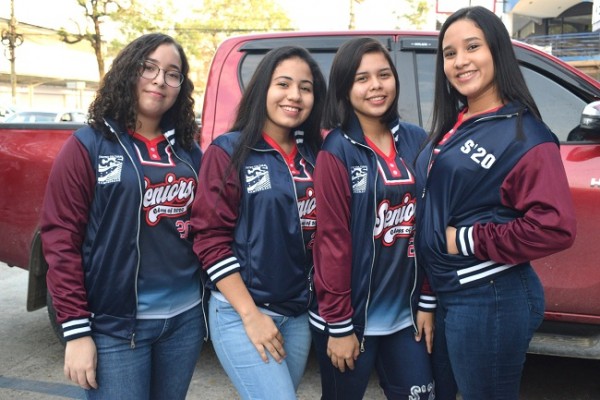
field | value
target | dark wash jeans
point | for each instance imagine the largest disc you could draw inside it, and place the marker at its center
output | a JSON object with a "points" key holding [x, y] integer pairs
{"points": [[402, 364], [482, 335]]}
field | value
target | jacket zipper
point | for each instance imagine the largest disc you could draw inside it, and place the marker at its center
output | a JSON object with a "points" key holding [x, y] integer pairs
{"points": [[202, 298], [297, 214], [373, 154], [137, 241]]}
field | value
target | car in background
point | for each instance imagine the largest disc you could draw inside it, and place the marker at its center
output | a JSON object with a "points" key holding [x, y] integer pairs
{"points": [[5, 112], [37, 116]]}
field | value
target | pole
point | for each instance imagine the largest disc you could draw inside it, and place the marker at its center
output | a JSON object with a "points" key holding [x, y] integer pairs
{"points": [[11, 39]]}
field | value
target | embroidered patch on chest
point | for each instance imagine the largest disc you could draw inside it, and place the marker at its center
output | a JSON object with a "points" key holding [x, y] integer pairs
{"points": [[109, 169], [359, 178], [257, 178]]}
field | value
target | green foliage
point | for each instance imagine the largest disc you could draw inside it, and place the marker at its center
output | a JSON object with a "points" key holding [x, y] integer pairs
{"points": [[199, 32], [416, 14], [139, 18], [206, 27]]}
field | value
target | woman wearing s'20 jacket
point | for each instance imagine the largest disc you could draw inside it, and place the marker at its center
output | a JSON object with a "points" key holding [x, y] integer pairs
{"points": [[494, 196]]}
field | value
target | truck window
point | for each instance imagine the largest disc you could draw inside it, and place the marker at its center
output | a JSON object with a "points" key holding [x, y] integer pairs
{"points": [[425, 80], [560, 108], [251, 60]]}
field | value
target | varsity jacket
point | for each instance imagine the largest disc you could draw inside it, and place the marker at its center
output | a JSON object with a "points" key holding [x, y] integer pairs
{"points": [[93, 252], [347, 251], [249, 222], [507, 195]]}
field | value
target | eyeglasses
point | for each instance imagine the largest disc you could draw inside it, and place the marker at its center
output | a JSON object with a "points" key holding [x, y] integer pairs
{"points": [[149, 70]]}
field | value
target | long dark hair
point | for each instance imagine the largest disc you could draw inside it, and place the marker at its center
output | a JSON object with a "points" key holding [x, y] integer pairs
{"points": [[338, 108], [252, 110], [117, 96], [508, 77]]}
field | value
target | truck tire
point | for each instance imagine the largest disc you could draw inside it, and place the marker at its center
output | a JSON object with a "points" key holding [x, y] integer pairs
{"points": [[56, 327]]}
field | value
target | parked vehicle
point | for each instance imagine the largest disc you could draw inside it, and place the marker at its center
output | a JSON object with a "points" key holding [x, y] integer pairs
{"points": [[5, 112], [38, 116], [571, 279]]}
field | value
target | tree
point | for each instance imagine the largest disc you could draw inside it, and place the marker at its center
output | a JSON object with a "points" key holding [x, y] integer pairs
{"points": [[199, 33], [97, 12], [352, 21], [157, 18], [417, 14], [206, 28]]}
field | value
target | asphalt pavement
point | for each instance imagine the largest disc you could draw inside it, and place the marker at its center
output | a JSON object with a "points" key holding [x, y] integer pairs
{"points": [[31, 362], [31, 357]]}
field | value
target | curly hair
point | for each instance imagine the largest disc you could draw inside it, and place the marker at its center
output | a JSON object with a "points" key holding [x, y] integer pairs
{"points": [[116, 97]]}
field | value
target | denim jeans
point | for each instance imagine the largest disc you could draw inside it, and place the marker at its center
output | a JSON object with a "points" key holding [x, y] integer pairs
{"points": [[161, 364], [482, 335], [402, 364], [251, 376]]}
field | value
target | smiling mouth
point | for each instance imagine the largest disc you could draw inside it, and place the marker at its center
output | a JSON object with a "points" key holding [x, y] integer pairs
{"points": [[291, 109], [465, 75]]}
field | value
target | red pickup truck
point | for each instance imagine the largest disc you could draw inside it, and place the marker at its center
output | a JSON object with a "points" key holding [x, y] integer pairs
{"points": [[571, 279]]}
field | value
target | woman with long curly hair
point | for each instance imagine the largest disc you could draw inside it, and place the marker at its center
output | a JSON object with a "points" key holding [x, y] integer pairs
{"points": [[123, 278]]}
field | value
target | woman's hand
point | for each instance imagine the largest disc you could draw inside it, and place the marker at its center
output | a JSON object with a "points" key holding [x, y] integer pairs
{"points": [[80, 362], [451, 240], [425, 328], [264, 335], [343, 351]]}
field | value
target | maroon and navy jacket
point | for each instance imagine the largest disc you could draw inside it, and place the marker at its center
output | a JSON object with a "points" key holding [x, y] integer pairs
{"points": [[507, 195], [90, 229], [249, 221], [347, 213]]}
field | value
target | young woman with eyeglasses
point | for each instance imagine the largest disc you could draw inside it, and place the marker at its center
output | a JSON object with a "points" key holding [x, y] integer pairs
{"points": [[123, 278]]}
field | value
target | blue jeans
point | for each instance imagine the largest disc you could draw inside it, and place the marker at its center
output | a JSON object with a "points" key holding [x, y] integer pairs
{"points": [[482, 335], [402, 364], [159, 367], [251, 376]]}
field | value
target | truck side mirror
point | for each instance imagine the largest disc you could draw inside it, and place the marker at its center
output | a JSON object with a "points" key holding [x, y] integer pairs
{"points": [[589, 124], [590, 118]]}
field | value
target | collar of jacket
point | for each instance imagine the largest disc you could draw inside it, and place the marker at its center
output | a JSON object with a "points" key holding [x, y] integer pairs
{"points": [[355, 133], [168, 133], [263, 145]]}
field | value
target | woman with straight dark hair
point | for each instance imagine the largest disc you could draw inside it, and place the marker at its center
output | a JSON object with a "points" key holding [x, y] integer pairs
{"points": [[494, 196], [254, 219], [123, 277], [372, 312]]}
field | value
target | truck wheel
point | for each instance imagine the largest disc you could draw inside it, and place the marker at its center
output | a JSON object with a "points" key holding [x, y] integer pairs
{"points": [[52, 315]]}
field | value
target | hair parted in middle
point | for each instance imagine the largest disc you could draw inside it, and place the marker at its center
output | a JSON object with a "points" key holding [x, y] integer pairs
{"points": [[252, 110], [508, 78], [338, 108]]}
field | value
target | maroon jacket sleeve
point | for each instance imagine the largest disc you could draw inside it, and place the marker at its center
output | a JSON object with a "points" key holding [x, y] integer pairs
{"points": [[215, 213], [333, 242], [538, 187], [64, 217]]}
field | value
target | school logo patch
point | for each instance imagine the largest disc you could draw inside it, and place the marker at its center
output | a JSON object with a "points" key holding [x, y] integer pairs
{"points": [[359, 178], [257, 178], [109, 169]]}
